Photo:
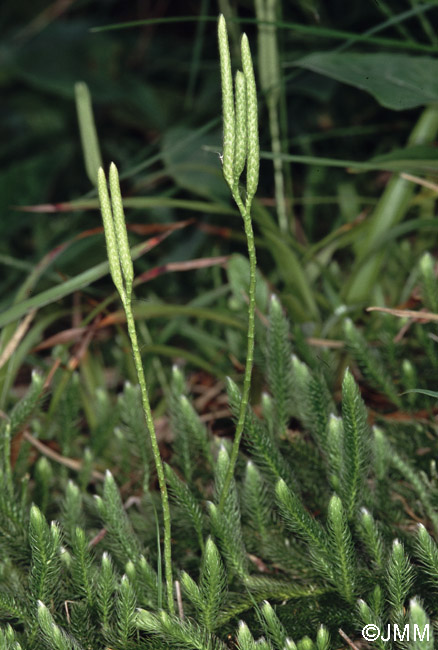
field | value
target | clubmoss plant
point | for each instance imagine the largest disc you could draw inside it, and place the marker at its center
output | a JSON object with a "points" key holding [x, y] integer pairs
{"points": [[313, 534], [122, 273], [323, 561], [240, 147]]}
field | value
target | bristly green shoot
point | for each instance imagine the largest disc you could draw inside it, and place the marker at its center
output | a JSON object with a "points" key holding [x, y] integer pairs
{"points": [[122, 272], [52, 634], [342, 549], [368, 616], [273, 626], [371, 538], [356, 434], [419, 620], [45, 544], [240, 148], [399, 581], [208, 596], [427, 552]]}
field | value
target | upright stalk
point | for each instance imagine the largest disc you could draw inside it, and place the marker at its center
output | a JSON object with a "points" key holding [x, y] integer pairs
{"points": [[240, 148], [122, 273]]}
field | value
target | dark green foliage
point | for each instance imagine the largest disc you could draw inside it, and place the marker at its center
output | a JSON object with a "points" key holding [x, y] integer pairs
{"points": [[45, 544], [106, 416], [207, 597], [123, 542], [256, 501], [192, 438], [43, 477], [12, 606], [134, 427], [417, 481], [147, 582], [8, 639], [299, 520], [263, 445], [320, 528], [313, 403], [369, 362], [301, 378], [335, 451], [24, 408], [13, 508], [189, 504], [278, 356], [269, 557], [67, 414], [320, 407], [226, 525]]}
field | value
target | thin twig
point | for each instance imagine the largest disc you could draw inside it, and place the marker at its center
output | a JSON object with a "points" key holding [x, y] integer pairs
{"points": [[179, 599], [97, 538], [208, 395], [71, 463], [420, 181], [16, 338], [347, 639], [67, 613], [215, 415], [424, 316]]}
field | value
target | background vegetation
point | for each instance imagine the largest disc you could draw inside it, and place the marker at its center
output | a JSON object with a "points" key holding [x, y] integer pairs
{"points": [[344, 219]]}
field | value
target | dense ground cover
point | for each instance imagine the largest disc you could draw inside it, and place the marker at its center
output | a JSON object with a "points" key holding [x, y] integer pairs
{"points": [[329, 523]]}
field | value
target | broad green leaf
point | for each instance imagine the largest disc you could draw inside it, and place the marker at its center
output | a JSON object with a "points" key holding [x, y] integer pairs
{"points": [[415, 159], [397, 81], [429, 393]]}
